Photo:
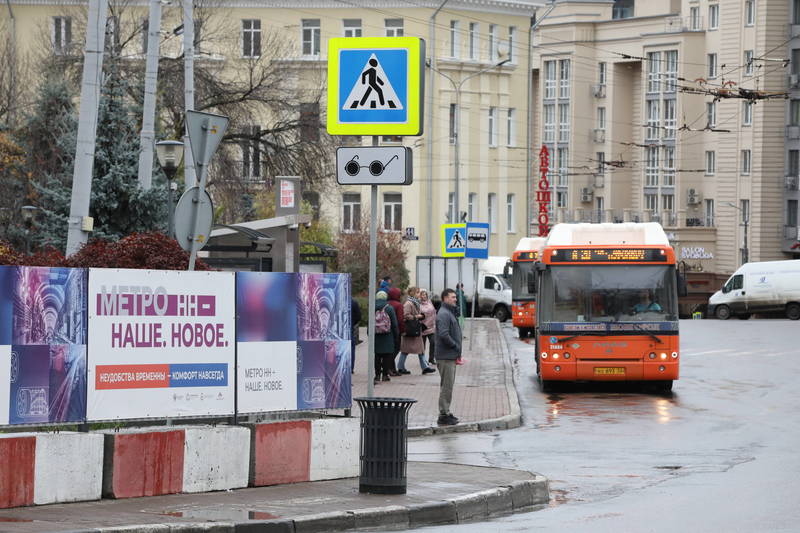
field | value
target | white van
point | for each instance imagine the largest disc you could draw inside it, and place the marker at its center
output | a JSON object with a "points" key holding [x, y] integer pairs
{"points": [[759, 288]]}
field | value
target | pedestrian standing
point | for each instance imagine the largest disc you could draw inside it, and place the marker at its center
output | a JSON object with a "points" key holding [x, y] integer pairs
{"points": [[394, 300], [387, 337], [448, 349], [428, 324], [411, 341], [355, 320]]}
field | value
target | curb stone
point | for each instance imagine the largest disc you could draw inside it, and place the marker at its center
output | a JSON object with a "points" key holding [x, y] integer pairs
{"points": [[433, 513], [394, 516], [509, 421]]}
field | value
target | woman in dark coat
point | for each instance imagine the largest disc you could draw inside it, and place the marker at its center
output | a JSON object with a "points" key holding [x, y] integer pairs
{"points": [[386, 344]]}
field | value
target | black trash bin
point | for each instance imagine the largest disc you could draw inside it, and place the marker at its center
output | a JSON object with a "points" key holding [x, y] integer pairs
{"points": [[384, 437]]}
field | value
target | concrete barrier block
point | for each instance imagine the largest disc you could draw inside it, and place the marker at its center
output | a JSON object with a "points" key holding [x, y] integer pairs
{"points": [[69, 467], [280, 452], [143, 462], [334, 448], [17, 459], [216, 458]]}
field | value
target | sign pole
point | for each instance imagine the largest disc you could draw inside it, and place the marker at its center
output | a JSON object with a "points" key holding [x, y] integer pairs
{"points": [[474, 299], [201, 184], [373, 283]]}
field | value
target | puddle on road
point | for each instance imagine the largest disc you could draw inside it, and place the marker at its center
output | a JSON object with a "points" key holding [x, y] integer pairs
{"points": [[611, 408], [10, 519], [219, 514]]}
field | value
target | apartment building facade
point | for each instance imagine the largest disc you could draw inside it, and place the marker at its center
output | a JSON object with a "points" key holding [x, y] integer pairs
{"points": [[628, 96]]}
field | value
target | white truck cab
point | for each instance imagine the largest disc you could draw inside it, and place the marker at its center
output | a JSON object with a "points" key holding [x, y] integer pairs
{"points": [[769, 286]]}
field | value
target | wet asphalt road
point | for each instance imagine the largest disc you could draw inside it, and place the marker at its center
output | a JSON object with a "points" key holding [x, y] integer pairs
{"points": [[721, 453]]}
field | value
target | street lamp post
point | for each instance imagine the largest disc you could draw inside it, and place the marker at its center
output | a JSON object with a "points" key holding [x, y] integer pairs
{"points": [[28, 212], [170, 154], [745, 223]]}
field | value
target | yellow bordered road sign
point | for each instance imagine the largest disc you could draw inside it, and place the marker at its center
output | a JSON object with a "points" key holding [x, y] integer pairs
{"points": [[375, 85], [454, 240]]}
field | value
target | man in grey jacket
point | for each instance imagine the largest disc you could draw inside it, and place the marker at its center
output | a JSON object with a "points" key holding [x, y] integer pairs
{"points": [[448, 349]]}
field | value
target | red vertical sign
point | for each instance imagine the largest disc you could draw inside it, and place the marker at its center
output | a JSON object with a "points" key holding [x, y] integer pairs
{"points": [[543, 193]]}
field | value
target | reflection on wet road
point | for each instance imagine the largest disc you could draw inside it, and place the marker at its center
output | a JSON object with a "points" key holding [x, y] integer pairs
{"points": [[614, 452]]}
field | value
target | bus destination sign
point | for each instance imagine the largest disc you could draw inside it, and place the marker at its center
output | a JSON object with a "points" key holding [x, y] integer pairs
{"points": [[608, 255]]}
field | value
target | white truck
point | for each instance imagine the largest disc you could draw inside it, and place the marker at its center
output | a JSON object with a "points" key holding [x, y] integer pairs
{"points": [[494, 292], [769, 286]]}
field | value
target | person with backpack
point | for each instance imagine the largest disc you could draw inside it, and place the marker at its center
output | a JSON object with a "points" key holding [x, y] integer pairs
{"points": [[411, 341], [394, 300], [387, 337]]}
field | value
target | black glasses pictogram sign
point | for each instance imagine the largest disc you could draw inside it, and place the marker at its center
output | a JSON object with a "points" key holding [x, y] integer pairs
{"points": [[376, 168]]}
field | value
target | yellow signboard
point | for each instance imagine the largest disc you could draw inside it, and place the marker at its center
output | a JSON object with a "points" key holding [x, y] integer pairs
{"points": [[454, 240], [375, 85]]}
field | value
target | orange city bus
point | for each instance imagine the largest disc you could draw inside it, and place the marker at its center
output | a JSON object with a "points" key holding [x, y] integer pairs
{"points": [[608, 305], [523, 284]]}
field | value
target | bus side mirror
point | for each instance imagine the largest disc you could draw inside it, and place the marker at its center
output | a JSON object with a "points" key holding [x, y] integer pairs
{"points": [[683, 290]]}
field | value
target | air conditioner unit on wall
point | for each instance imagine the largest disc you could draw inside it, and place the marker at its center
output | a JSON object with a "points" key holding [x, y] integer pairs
{"points": [[692, 197], [586, 195]]}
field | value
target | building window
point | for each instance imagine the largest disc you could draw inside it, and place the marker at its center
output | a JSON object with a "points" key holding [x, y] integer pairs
{"points": [[746, 162], [748, 62], [791, 213], [651, 167], [474, 40], [251, 38], [563, 164], [601, 163], [602, 74], [712, 65], [510, 215], [62, 35], [492, 42], [671, 71], [667, 203], [309, 122], [472, 207], [563, 90], [669, 166], [550, 79], [651, 202], [794, 112], [394, 27], [747, 113], [653, 119], [711, 162], [713, 16], [352, 27], [511, 130], [694, 18], [251, 153], [492, 126], [392, 212], [453, 133], [794, 163], [563, 123], [795, 61], [492, 205], [670, 120], [561, 199], [709, 212], [711, 114], [311, 36], [622, 9], [749, 12], [451, 207], [351, 212], [512, 31], [653, 72], [454, 44], [601, 118], [796, 12], [745, 210], [549, 123]]}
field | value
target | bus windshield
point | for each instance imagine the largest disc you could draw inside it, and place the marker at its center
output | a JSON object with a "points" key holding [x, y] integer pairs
{"points": [[608, 293], [523, 281]]}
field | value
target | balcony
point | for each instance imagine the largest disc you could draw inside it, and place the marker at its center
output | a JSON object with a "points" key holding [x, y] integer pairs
{"points": [[599, 90], [793, 132], [679, 24], [791, 183]]}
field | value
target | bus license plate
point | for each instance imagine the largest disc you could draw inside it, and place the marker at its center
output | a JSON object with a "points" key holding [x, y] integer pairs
{"points": [[609, 371]]}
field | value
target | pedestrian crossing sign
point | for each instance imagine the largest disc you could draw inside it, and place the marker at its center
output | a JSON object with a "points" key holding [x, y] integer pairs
{"points": [[454, 240], [375, 85]]}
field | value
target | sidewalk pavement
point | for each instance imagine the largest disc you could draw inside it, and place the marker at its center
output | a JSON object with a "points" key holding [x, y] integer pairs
{"points": [[484, 397], [438, 493]]}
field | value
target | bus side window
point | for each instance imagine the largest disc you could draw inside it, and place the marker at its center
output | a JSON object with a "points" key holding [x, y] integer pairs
{"points": [[532, 282], [738, 280]]}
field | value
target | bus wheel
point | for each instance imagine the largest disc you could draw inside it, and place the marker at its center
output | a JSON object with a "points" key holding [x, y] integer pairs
{"points": [[743, 316], [793, 311], [723, 312]]}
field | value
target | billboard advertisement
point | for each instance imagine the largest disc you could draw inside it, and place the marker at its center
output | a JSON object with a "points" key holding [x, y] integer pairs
{"points": [[43, 312], [161, 344], [293, 341]]}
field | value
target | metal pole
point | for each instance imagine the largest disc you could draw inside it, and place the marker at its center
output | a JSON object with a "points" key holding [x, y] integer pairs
{"points": [[746, 223], [474, 299], [373, 283], [457, 191], [199, 192], [87, 125], [529, 136], [171, 208], [189, 175], [147, 136]]}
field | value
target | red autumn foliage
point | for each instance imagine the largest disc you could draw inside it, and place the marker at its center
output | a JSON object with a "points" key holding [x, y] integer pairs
{"points": [[140, 250]]}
